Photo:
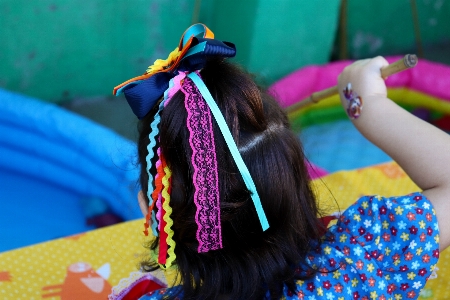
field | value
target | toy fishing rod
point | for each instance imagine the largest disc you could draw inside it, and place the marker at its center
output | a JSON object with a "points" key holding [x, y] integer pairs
{"points": [[407, 62]]}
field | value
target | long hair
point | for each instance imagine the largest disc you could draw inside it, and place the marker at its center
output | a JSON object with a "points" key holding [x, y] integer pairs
{"points": [[252, 264]]}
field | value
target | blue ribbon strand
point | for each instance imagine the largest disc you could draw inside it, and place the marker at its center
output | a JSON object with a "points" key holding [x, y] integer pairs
{"points": [[232, 147]]}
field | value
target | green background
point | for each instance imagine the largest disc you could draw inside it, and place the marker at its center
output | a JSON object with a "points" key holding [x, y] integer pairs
{"points": [[382, 27], [66, 50]]}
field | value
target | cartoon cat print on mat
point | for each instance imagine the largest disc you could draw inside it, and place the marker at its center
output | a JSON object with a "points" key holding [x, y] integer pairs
{"points": [[81, 282]]}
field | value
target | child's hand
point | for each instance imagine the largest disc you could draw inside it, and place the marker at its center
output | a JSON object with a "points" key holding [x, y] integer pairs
{"points": [[417, 146], [365, 79]]}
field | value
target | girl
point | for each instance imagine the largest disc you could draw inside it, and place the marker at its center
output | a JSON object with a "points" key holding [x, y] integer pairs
{"points": [[226, 192]]}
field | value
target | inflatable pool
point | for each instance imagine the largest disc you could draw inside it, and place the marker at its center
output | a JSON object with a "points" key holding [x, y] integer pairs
{"points": [[329, 138], [58, 171]]}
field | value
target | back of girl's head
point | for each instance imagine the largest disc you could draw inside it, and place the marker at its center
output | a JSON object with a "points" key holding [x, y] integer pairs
{"points": [[252, 263]]}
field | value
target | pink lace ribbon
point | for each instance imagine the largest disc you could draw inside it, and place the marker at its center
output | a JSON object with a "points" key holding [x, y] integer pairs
{"points": [[204, 162]]}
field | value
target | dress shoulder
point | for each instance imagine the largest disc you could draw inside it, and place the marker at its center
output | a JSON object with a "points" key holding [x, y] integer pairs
{"points": [[389, 227], [379, 247]]}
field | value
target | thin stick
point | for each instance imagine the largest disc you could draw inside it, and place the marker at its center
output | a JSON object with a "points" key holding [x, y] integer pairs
{"points": [[343, 30], [415, 15], [408, 61]]}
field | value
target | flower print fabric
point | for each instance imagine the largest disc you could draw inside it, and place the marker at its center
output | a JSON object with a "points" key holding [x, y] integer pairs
{"points": [[380, 248]]}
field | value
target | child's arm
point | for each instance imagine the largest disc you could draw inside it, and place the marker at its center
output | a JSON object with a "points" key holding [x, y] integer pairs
{"points": [[421, 149]]}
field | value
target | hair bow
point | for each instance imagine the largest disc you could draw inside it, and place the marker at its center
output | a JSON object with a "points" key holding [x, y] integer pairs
{"points": [[196, 45], [179, 72]]}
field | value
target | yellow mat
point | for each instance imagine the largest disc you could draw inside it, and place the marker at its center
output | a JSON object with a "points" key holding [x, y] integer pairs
{"points": [[92, 262]]}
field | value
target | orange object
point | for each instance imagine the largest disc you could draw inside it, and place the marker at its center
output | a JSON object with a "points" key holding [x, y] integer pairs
{"points": [[208, 34], [5, 276], [81, 282]]}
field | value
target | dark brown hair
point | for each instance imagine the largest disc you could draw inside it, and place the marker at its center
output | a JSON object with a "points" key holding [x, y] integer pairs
{"points": [[252, 264]]}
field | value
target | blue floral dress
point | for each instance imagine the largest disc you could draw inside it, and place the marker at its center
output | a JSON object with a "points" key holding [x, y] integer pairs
{"points": [[380, 248]]}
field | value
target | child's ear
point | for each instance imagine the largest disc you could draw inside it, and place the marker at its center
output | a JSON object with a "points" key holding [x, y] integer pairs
{"points": [[142, 203]]}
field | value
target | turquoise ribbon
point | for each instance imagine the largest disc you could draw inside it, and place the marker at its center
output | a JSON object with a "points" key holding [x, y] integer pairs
{"points": [[232, 147], [197, 30]]}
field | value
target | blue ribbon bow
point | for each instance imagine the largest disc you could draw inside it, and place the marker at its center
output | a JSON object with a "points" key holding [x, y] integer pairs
{"points": [[196, 45]]}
